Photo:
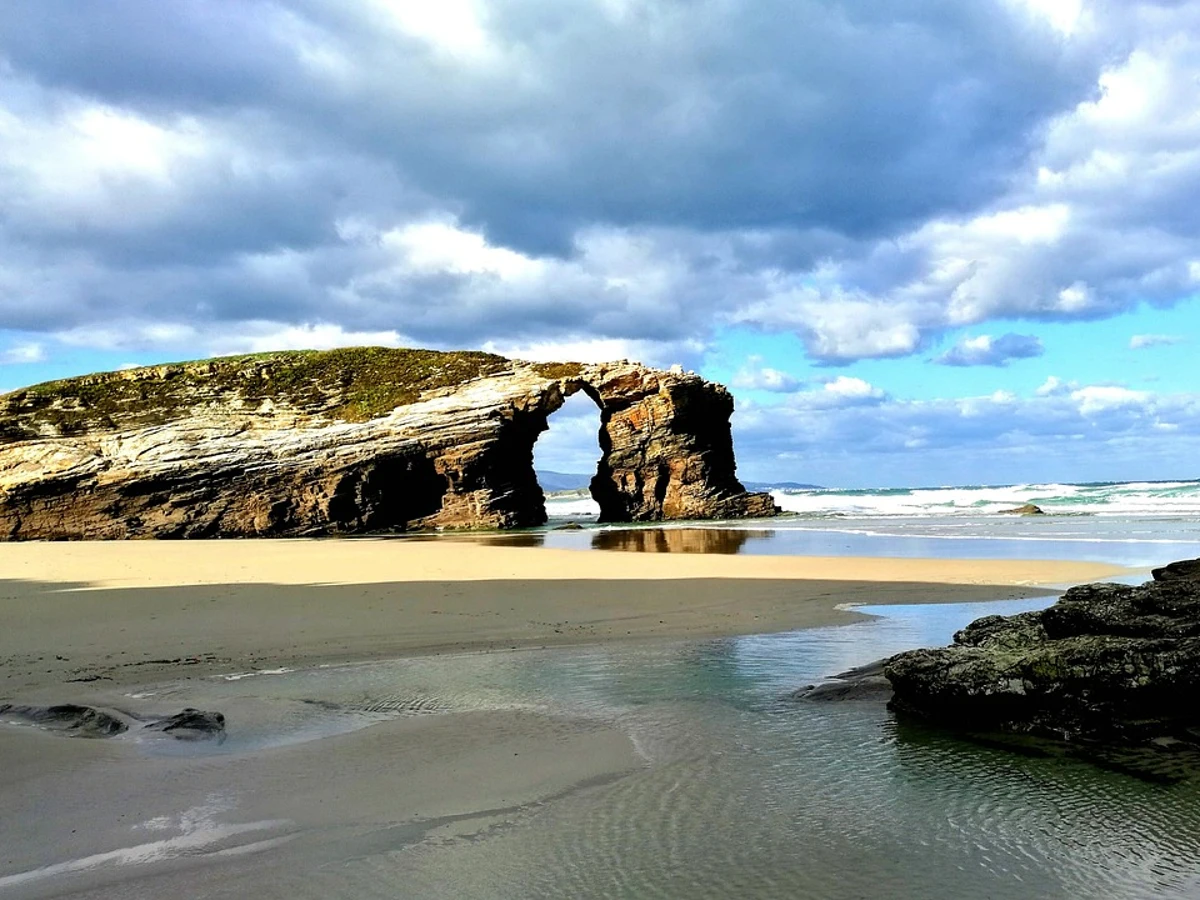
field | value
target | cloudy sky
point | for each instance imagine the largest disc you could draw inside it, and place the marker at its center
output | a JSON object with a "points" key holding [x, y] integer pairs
{"points": [[924, 241]]}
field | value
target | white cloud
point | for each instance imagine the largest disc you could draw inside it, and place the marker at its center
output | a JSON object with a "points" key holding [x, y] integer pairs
{"points": [[98, 165], [1054, 386], [23, 353], [985, 350], [1066, 433], [686, 354], [755, 376], [836, 327], [1142, 341], [1062, 15], [1104, 398], [131, 336], [268, 336], [254, 336], [842, 392], [441, 247], [453, 28], [852, 389]]}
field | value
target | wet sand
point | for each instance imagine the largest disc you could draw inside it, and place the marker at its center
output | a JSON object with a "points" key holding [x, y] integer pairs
{"points": [[128, 612], [97, 818], [96, 623]]}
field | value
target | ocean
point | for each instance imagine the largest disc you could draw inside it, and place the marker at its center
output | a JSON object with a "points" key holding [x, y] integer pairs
{"points": [[1137, 524]]}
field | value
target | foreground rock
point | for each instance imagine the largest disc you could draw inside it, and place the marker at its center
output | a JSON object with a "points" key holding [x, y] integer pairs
{"points": [[67, 718], [1108, 666], [192, 725], [88, 721], [1184, 570], [351, 441], [861, 683]]}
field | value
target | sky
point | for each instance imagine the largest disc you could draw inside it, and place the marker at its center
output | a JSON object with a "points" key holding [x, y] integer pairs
{"points": [[922, 241]]}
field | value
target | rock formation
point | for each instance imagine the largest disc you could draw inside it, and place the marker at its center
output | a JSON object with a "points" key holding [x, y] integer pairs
{"points": [[66, 718], [87, 721], [1108, 665], [1028, 509], [192, 725], [1184, 570], [860, 683], [350, 441]]}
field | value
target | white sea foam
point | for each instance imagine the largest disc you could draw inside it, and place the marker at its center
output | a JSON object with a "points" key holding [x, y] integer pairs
{"points": [[572, 506], [238, 676], [1157, 499]]}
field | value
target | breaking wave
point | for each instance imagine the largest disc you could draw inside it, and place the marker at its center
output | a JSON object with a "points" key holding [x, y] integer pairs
{"points": [[1167, 499]]}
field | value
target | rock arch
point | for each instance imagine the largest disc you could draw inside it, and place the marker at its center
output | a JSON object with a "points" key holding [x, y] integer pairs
{"points": [[666, 453], [221, 460]]}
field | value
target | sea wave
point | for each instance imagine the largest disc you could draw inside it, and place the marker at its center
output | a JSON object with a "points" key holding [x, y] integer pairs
{"points": [[1136, 498]]}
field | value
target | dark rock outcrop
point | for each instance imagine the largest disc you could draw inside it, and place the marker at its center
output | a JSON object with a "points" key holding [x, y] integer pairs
{"points": [[862, 683], [667, 448], [1184, 570], [1108, 665], [88, 721], [192, 725], [68, 718], [1028, 509], [351, 441]]}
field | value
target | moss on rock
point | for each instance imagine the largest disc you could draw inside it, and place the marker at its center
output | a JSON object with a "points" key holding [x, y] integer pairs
{"points": [[350, 384], [559, 370]]}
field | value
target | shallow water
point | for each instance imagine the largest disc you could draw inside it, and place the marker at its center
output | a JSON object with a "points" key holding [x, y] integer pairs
{"points": [[1102, 542], [744, 792], [1138, 524]]}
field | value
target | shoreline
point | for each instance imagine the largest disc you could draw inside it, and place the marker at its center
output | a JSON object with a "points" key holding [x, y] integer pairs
{"points": [[114, 614]]}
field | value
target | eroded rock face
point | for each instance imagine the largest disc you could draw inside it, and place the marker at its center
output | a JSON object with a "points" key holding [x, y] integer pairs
{"points": [[1108, 664], [315, 444], [667, 448]]}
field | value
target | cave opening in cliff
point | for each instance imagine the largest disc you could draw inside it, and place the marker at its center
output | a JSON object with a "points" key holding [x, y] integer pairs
{"points": [[566, 458]]}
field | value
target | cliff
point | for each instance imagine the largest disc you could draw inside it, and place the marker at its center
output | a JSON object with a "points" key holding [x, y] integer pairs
{"points": [[350, 441]]}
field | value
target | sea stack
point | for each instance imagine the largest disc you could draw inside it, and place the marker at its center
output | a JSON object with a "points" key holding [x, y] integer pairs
{"points": [[351, 441]]}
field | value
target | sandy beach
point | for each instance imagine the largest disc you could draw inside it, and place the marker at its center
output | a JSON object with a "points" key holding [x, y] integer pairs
{"points": [[332, 789], [127, 611]]}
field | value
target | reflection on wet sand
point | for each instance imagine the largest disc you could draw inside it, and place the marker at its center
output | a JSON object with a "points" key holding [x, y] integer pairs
{"points": [[516, 539], [676, 540], [637, 540]]}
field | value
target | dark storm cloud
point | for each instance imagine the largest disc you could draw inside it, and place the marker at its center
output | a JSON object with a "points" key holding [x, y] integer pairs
{"points": [[650, 167], [854, 118]]}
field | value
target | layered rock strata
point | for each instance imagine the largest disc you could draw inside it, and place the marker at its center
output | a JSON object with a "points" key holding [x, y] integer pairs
{"points": [[351, 441], [1108, 665]]}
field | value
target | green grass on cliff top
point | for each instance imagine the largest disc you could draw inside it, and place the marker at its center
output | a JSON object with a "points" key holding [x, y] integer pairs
{"points": [[350, 384]]}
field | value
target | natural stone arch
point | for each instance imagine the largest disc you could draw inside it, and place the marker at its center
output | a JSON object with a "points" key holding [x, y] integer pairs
{"points": [[246, 447], [666, 447]]}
